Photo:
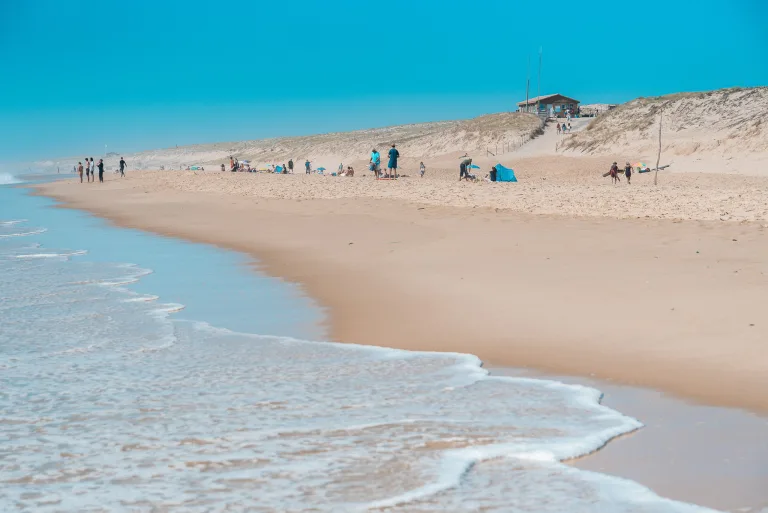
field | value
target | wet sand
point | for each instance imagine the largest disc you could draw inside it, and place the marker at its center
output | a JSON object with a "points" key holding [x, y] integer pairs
{"points": [[706, 455]]}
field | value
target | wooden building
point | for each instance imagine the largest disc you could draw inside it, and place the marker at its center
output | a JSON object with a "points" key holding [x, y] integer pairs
{"points": [[551, 105]]}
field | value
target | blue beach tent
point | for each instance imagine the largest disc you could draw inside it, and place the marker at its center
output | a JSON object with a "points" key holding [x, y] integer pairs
{"points": [[504, 174]]}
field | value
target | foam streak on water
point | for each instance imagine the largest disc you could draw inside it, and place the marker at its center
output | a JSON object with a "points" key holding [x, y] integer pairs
{"points": [[108, 403]]}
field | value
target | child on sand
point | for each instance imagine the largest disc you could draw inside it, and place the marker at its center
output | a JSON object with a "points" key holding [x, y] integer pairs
{"points": [[628, 172], [422, 169]]}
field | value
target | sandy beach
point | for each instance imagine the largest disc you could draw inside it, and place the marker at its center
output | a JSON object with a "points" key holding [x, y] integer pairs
{"points": [[672, 304], [651, 292]]}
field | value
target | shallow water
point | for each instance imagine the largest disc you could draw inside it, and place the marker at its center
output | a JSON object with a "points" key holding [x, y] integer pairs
{"points": [[111, 401]]}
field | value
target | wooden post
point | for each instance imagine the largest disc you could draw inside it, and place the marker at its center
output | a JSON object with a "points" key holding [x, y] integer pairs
{"points": [[658, 157]]}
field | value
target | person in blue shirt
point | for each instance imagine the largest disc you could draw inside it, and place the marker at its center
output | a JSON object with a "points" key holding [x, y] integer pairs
{"points": [[375, 162], [393, 155], [307, 166]]}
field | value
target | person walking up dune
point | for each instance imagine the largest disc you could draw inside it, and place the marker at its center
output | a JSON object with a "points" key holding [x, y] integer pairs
{"points": [[614, 172]]}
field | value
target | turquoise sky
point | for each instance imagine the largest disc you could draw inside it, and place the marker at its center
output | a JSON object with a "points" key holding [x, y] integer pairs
{"points": [[147, 74]]}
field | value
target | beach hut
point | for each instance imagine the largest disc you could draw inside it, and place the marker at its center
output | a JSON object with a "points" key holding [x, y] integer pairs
{"points": [[505, 174]]}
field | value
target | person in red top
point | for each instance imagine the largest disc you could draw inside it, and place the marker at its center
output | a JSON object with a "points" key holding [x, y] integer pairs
{"points": [[615, 173]]}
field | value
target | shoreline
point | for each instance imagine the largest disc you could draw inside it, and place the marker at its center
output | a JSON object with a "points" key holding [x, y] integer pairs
{"points": [[612, 458], [681, 453], [361, 258]]}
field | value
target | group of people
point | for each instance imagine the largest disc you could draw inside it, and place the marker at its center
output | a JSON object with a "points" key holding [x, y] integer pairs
{"points": [[563, 128], [90, 169], [374, 163], [615, 173]]}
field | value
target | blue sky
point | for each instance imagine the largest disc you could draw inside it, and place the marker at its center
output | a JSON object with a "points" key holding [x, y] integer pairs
{"points": [[149, 74]]}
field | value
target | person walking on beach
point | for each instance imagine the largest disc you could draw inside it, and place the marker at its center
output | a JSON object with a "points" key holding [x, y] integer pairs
{"points": [[422, 169], [614, 172], [290, 166], [558, 129], [464, 168], [87, 170], [628, 173], [101, 171], [375, 163], [80, 170], [392, 165], [122, 168], [307, 166]]}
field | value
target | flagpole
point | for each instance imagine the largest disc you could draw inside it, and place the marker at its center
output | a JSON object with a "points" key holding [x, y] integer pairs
{"points": [[538, 83]]}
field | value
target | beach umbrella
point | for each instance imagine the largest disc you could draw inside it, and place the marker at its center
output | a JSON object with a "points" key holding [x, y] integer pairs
{"points": [[640, 165], [474, 166], [321, 169]]}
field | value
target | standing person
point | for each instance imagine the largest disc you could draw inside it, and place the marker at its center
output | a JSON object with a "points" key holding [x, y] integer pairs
{"points": [[223, 169], [614, 172], [558, 129], [628, 173], [464, 167], [122, 167], [87, 170], [290, 166], [231, 163], [422, 169], [101, 171], [79, 169], [341, 168], [392, 164], [93, 170], [307, 166], [375, 163]]}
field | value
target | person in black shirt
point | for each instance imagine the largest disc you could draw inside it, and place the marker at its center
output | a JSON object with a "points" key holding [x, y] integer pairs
{"points": [[101, 170], [122, 167]]}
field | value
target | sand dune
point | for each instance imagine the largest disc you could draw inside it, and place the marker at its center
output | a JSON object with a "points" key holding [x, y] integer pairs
{"points": [[715, 131], [415, 141]]}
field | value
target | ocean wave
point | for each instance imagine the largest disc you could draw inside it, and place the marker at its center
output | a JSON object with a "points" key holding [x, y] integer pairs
{"points": [[8, 179], [23, 234], [299, 424]]}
